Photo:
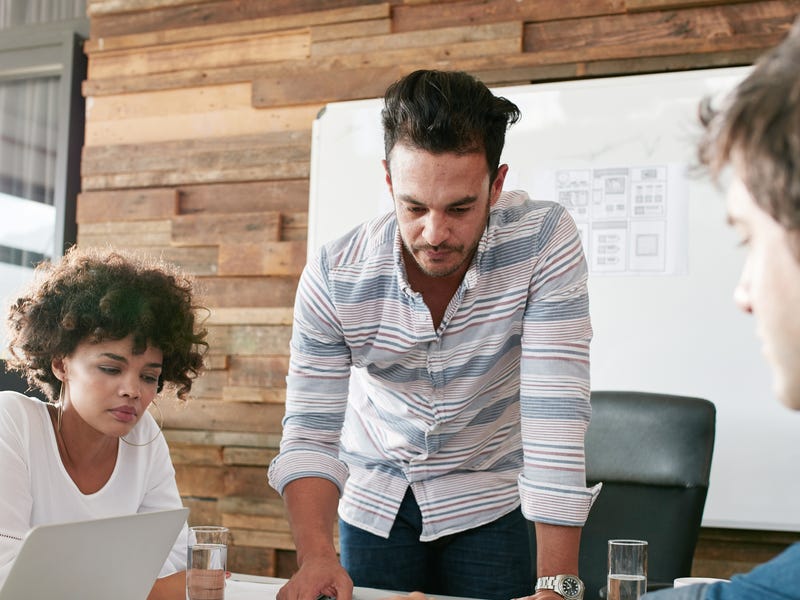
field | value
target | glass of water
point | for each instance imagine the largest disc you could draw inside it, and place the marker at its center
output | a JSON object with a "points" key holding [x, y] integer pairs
{"points": [[627, 569], [206, 562]]}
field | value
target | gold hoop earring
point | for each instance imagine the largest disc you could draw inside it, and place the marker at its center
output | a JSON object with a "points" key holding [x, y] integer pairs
{"points": [[155, 437], [60, 405]]}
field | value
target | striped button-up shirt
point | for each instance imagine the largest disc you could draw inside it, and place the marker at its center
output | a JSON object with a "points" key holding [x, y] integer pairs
{"points": [[487, 412]]}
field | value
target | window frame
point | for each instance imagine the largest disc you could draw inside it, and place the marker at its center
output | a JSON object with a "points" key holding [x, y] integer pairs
{"points": [[44, 50]]}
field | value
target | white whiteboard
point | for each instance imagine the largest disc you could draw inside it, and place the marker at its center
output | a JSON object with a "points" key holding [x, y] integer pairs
{"points": [[677, 333]]}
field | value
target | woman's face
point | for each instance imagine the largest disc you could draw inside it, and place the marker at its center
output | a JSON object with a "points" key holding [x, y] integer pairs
{"points": [[107, 385]]}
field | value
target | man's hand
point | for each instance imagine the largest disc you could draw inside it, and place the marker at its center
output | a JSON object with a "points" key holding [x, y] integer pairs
{"points": [[542, 595], [318, 576]]}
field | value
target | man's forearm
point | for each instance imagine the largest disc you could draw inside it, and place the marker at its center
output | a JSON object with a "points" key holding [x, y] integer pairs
{"points": [[557, 549], [311, 503]]}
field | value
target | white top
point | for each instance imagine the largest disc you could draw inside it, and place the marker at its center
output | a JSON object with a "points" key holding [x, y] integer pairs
{"points": [[35, 487]]}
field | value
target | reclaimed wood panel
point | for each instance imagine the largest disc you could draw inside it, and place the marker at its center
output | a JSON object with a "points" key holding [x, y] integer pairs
{"points": [[204, 54], [638, 5], [202, 229], [515, 75], [131, 205], [198, 13], [259, 371], [246, 292], [252, 506], [198, 99], [252, 316], [239, 521], [188, 454], [215, 362], [96, 8], [321, 86], [446, 37], [235, 455], [197, 260], [161, 178], [250, 340], [719, 28], [207, 387], [245, 480], [201, 120], [202, 511], [295, 226], [248, 196], [214, 415], [436, 15], [229, 153], [263, 539], [253, 561], [212, 31], [239, 393], [262, 258], [222, 438], [367, 75], [125, 234], [200, 480], [355, 29]]}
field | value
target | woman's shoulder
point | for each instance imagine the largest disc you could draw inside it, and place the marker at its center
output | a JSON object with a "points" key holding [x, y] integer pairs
{"points": [[22, 417], [16, 404]]}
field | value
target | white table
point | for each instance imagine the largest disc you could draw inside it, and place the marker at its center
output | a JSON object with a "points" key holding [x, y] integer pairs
{"points": [[256, 587]]}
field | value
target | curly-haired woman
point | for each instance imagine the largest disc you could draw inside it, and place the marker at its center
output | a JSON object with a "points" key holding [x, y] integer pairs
{"points": [[99, 333]]}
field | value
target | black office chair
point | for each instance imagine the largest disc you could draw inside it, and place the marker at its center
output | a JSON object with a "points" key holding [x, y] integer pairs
{"points": [[653, 454]]}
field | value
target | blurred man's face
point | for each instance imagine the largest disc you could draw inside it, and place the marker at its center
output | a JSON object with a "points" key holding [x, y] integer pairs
{"points": [[769, 288]]}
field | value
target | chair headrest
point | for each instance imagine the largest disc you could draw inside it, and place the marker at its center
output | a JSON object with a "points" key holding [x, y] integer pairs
{"points": [[658, 439]]}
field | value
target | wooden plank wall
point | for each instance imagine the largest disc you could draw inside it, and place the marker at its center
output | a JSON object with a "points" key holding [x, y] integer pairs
{"points": [[198, 120]]}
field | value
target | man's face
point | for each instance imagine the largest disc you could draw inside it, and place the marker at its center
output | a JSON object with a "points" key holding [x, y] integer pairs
{"points": [[442, 203], [769, 287]]}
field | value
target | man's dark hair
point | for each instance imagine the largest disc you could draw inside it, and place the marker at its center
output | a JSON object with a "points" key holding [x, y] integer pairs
{"points": [[758, 131], [447, 111]]}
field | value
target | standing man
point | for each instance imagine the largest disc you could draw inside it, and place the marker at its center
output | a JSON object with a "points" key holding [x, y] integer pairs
{"points": [[464, 316], [758, 133]]}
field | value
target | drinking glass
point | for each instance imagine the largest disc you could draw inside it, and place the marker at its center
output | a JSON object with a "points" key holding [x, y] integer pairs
{"points": [[627, 569], [207, 555]]}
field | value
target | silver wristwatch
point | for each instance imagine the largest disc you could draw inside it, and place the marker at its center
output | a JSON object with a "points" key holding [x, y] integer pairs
{"points": [[569, 587]]}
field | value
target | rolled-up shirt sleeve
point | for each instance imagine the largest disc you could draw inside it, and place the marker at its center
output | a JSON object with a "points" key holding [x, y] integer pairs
{"points": [[554, 380], [316, 387]]}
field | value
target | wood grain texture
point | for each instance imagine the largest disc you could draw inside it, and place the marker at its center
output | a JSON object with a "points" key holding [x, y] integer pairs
{"points": [[202, 229], [355, 29], [437, 15], [212, 31], [250, 340], [125, 234], [246, 292], [198, 13], [222, 52], [133, 205], [447, 37], [215, 415], [642, 5], [254, 316], [689, 31], [188, 114]]}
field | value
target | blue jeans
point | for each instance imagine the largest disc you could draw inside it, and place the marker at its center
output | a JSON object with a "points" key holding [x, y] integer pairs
{"points": [[492, 561]]}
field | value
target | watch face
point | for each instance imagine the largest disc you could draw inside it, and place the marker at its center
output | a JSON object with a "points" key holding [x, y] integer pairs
{"points": [[571, 587]]}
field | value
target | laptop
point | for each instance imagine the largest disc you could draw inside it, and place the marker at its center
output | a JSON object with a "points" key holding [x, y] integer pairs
{"points": [[115, 558]]}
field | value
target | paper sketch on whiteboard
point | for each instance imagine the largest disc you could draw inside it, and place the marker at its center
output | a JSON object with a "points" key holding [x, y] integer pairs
{"points": [[633, 220]]}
